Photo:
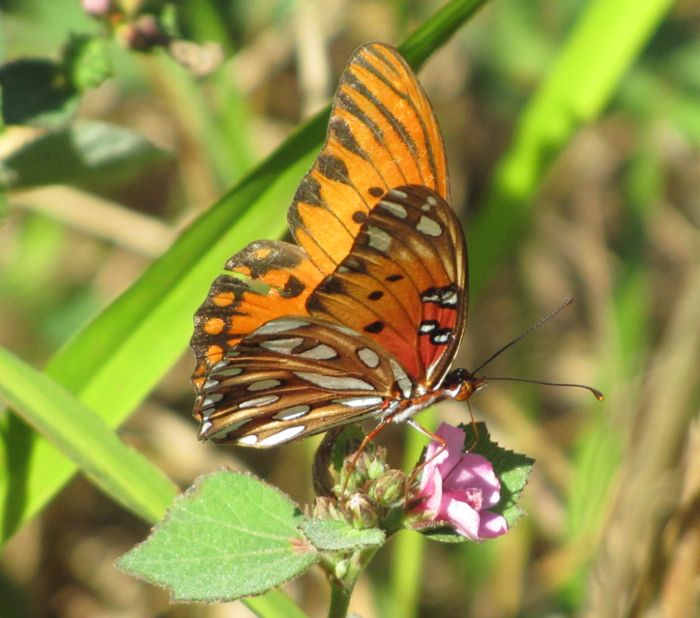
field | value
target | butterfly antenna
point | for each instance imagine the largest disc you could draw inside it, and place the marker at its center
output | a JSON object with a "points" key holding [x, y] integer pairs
{"points": [[596, 393], [567, 301]]}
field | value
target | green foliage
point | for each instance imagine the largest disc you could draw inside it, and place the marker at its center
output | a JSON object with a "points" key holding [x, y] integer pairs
{"points": [[79, 433], [85, 153], [227, 537], [35, 92], [336, 535], [86, 62]]}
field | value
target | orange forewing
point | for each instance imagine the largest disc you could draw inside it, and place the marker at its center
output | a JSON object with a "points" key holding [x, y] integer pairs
{"points": [[382, 134]]}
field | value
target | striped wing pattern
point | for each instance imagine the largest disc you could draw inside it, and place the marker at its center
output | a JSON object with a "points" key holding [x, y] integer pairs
{"points": [[293, 377], [271, 279], [382, 134]]}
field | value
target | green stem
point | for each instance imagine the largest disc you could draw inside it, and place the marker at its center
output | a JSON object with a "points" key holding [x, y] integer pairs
{"points": [[342, 587], [340, 599]]}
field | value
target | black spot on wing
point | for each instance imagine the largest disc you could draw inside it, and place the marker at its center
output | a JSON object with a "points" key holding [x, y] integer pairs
{"points": [[375, 327], [309, 191], [354, 264], [333, 168], [331, 285], [341, 131], [292, 288]]}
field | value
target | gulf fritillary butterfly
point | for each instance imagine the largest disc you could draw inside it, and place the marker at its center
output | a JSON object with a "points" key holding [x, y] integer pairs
{"points": [[362, 318]]}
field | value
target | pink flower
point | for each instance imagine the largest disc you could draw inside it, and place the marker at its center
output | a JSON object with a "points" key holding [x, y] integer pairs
{"points": [[458, 488]]}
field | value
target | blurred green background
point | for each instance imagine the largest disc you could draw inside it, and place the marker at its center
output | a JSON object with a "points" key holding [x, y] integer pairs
{"points": [[572, 129]]}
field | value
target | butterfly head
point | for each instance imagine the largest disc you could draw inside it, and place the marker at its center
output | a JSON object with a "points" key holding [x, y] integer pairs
{"points": [[461, 384]]}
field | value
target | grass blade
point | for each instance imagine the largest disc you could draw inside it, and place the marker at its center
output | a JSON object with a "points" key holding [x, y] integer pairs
{"points": [[123, 473], [605, 42]]}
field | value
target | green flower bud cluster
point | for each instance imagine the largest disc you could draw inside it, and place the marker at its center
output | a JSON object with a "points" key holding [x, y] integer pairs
{"points": [[363, 489]]}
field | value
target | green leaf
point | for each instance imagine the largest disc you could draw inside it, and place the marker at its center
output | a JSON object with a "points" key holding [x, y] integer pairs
{"points": [[123, 473], [336, 535], [230, 535], [36, 92], [87, 153], [86, 61]]}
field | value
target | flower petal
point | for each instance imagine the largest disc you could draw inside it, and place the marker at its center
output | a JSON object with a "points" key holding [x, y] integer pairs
{"points": [[454, 449], [433, 498], [463, 518], [475, 471], [491, 525]]}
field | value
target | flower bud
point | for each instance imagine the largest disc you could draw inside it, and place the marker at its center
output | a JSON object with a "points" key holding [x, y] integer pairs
{"points": [[98, 8], [341, 569], [360, 511], [326, 508], [388, 490]]}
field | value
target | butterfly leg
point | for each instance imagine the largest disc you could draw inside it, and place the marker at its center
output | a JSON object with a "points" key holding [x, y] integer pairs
{"points": [[363, 445]]}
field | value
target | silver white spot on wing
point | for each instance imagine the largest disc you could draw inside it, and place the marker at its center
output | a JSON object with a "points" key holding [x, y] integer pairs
{"points": [[429, 227], [431, 200], [282, 436], [427, 326], [283, 346], [402, 380], [402, 195], [378, 239], [225, 371], [320, 352], [369, 357], [228, 429], [450, 299], [210, 383], [263, 385], [441, 337], [279, 325], [335, 383], [210, 400], [397, 210], [289, 414], [360, 402], [259, 401], [345, 330], [249, 440]]}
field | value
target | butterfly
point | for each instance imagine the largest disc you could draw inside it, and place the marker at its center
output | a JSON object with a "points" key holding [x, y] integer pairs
{"points": [[363, 316]]}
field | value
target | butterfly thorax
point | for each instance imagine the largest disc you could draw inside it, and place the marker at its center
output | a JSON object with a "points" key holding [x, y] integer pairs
{"points": [[458, 384]]}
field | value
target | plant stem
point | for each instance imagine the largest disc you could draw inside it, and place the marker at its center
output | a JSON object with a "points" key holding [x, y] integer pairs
{"points": [[340, 599], [341, 588]]}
